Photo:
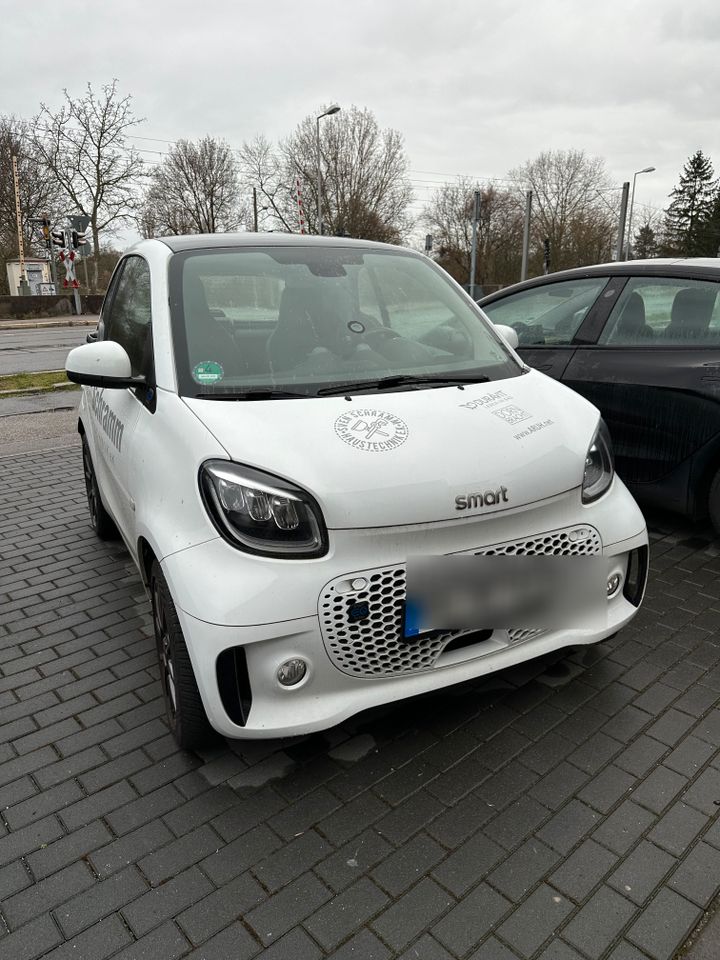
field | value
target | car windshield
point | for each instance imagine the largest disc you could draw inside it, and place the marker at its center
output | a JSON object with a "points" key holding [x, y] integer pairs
{"points": [[300, 320]]}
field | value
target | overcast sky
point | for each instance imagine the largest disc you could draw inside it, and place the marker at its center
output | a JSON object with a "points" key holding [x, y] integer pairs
{"points": [[475, 86]]}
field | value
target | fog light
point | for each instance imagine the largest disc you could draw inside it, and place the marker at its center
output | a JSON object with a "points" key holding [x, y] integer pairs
{"points": [[291, 672], [613, 584]]}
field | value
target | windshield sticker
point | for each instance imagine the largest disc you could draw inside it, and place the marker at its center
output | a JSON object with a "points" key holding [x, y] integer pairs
{"points": [[208, 372], [375, 431]]}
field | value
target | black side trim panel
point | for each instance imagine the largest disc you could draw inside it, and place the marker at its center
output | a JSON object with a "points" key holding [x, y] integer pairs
{"points": [[234, 684]]}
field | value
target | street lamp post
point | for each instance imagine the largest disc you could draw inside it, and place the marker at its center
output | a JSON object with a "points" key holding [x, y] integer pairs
{"points": [[632, 202], [329, 112]]}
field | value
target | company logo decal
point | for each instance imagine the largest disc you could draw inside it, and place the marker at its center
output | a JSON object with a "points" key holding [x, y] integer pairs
{"points": [[106, 418], [490, 498], [512, 414], [375, 431]]}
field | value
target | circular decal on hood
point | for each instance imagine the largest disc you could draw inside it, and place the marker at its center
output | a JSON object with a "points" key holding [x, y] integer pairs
{"points": [[373, 430]]}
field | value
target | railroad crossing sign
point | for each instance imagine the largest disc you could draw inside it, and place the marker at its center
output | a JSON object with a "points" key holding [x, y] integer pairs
{"points": [[67, 258]]}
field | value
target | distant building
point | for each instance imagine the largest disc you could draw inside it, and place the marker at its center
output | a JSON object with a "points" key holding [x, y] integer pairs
{"points": [[38, 276]]}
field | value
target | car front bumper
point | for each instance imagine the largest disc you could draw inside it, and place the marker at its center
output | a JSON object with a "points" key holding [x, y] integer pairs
{"points": [[221, 596]]}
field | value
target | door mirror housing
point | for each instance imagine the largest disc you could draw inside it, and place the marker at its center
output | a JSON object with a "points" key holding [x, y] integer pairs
{"points": [[101, 364], [508, 334]]}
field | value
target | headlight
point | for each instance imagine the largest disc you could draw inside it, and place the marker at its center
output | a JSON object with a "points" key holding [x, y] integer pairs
{"points": [[261, 513], [599, 465]]}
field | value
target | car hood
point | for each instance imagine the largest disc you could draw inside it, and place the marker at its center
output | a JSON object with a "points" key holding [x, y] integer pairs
{"points": [[405, 457]]}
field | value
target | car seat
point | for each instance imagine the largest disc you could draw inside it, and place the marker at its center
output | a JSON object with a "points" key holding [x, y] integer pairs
{"points": [[632, 327], [207, 339], [690, 315]]}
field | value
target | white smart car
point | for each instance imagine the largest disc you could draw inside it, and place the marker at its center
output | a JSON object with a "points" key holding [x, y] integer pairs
{"points": [[277, 424]]}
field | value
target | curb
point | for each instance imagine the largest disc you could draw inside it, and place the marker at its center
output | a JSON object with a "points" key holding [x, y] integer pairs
{"points": [[34, 324]]}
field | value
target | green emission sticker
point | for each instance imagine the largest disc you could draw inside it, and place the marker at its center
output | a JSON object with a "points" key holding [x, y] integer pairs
{"points": [[208, 372]]}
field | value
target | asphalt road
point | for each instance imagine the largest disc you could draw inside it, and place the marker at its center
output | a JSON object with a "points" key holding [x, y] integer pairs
{"points": [[44, 348]]}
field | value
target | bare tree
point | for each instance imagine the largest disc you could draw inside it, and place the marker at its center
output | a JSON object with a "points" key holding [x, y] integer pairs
{"points": [[448, 217], [40, 195], [84, 145], [570, 207], [366, 192], [195, 189]]}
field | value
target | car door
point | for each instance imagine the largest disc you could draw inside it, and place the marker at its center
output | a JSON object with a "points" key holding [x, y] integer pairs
{"points": [[547, 318], [655, 375], [115, 413]]}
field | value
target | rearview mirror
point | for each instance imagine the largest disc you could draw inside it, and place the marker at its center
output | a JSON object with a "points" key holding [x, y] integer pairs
{"points": [[508, 334], [102, 364]]}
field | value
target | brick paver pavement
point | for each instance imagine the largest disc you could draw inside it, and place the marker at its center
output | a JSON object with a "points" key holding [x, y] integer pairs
{"points": [[565, 809]]}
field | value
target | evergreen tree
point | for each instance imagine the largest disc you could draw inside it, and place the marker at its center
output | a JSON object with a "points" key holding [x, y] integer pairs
{"points": [[645, 245], [693, 200]]}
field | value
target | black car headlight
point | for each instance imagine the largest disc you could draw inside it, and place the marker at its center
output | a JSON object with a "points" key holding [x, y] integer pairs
{"points": [[599, 465], [260, 513]]}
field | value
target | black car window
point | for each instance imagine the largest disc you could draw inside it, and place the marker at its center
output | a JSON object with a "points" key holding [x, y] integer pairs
{"points": [[664, 310], [129, 321], [550, 314]]}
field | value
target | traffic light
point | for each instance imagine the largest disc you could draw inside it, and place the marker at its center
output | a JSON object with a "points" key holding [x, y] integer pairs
{"points": [[58, 237], [46, 232], [78, 239]]}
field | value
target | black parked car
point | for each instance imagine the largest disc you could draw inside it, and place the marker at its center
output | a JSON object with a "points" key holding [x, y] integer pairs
{"points": [[641, 340]]}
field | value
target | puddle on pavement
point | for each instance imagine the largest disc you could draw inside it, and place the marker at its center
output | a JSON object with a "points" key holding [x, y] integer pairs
{"points": [[354, 749]]}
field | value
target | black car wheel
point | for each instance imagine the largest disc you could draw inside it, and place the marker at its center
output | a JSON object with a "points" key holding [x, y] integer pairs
{"points": [[183, 704], [714, 503], [100, 519]]}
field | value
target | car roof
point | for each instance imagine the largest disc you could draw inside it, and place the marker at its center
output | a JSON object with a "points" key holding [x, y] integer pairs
{"points": [[209, 241], [703, 268]]}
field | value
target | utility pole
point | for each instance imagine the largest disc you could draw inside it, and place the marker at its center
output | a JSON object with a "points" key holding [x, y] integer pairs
{"points": [[546, 256], [620, 255], [255, 210], [473, 249], [526, 236], [24, 286]]}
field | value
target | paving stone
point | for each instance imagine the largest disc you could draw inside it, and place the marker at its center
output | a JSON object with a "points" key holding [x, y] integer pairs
{"points": [[598, 923], [523, 869], [296, 945], [689, 756], [697, 878], [642, 754], [76, 846], [412, 914], [517, 822], [280, 912], [659, 789], [639, 875], [559, 785], [704, 794], [178, 855], [164, 943], [100, 941], [105, 897], [405, 866], [664, 924], [491, 949], [166, 901], [472, 919], [251, 848], [130, 848], [426, 948], [463, 868], [358, 856], [604, 790], [623, 827], [583, 870], [535, 920], [345, 913], [568, 826], [678, 828], [34, 939]]}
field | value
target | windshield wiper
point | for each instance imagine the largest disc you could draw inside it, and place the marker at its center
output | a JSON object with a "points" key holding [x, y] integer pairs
{"points": [[261, 394], [402, 380]]}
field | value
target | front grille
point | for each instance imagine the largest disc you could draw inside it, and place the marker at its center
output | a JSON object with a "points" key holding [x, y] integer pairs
{"points": [[363, 629]]}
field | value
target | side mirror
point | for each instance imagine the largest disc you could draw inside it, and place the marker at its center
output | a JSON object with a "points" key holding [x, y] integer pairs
{"points": [[101, 364], [508, 334]]}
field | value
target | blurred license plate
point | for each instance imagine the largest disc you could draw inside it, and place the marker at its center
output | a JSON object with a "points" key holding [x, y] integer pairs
{"points": [[502, 592]]}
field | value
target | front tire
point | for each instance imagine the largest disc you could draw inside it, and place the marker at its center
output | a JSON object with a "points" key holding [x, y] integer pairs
{"points": [[183, 704], [100, 520]]}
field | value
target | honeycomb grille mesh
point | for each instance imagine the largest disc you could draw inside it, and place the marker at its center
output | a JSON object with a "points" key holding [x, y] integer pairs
{"points": [[374, 646]]}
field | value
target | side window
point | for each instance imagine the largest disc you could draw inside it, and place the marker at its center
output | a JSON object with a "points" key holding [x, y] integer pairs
{"points": [[548, 315], [665, 311], [129, 322]]}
